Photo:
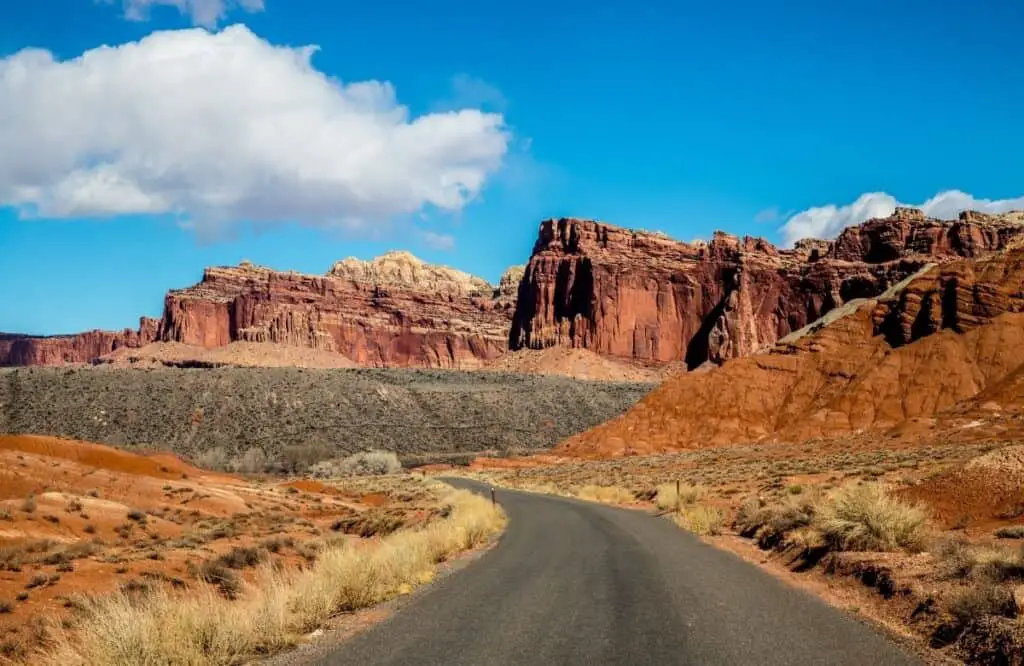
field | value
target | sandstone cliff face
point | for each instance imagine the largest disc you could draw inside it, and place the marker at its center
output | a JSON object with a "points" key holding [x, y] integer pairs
{"points": [[845, 377], [644, 297], [630, 295], [77, 348], [394, 311]]}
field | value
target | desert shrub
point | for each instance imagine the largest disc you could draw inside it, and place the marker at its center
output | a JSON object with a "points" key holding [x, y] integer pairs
{"points": [[1010, 532], [366, 463], [982, 600], [241, 557], [253, 461], [749, 516], [29, 505], [218, 574], [770, 524], [12, 558], [866, 518], [701, 519], [373, 522], [37, 581], [959, 559], [666, 497], [605, 494], [275, 544], [299, 458], [215, 458]]}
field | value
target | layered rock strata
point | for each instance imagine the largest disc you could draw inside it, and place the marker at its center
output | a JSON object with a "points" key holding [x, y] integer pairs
{"points": [[647, 298]]}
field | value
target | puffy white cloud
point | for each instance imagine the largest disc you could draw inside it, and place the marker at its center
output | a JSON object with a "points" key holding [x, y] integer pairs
{"points": [[202, 12], [828, 221], [221, 127]]}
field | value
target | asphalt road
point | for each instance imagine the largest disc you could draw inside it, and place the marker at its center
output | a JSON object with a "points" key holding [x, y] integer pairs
{"points": [[578, 583]]}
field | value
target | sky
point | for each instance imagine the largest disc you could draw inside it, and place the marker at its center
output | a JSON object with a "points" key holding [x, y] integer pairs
{"points": [[142, 140]]}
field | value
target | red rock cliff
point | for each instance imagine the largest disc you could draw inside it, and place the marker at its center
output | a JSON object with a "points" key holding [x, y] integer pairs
{"points": [[954, 333], [644, 297], [77, 348], [394, 311]]}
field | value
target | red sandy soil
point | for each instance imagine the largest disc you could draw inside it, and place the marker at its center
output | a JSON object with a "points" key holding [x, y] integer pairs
{"points": [[252, 354], [984, 494], [575, 363], [130, 517]]}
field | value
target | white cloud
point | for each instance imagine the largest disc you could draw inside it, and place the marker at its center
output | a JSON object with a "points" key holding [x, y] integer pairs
{"points": [[436, 241], [828, 221], [202, 12], [221, 127]]}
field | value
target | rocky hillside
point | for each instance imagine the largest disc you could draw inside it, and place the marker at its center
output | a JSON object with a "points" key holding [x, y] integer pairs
{"points": [[645, 297], [951, 337], [413, 412]]}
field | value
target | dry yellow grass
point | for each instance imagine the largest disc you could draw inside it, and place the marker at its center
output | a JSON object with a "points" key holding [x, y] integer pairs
{"points": [[605, 494], [669, 496], [204, 628], [865, 517], [701, 519]]}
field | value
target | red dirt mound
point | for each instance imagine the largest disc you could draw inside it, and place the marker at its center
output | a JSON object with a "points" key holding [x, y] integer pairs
{"points": [[949, 336], [989, 490], [161, 466]]}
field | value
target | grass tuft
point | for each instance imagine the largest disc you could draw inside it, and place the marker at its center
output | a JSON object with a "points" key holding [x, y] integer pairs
{"points": [[866, 518], [701, 519], [1010, 532], [605, 494], [667, 497]]}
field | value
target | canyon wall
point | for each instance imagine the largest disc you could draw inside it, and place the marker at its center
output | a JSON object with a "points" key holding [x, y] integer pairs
{"points": [[949, 338], [392, 311], [72, 349], [630, 295], [647, 298]]}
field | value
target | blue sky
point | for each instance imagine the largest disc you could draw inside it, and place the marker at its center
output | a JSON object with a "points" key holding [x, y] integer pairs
{"points": [[680, 117]]}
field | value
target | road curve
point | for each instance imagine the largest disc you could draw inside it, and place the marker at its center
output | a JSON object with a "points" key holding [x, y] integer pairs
{"points": [[579, 583]]}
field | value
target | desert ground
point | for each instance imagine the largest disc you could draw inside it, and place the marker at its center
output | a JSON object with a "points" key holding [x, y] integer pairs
{"points": [[93, 535]]}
